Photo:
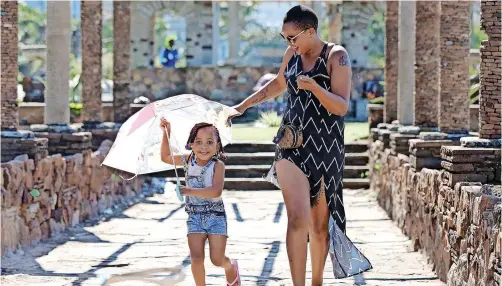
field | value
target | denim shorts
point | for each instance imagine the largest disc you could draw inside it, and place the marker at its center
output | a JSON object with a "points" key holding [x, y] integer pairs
{"points": [[207, 223]]}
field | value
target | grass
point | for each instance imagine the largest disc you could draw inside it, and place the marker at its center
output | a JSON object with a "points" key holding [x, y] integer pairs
{"points": [[353, 131]]}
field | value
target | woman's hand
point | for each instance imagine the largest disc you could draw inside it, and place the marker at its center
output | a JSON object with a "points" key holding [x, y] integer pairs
{"points": [[164, 124], [240, 108], [306, 83]]}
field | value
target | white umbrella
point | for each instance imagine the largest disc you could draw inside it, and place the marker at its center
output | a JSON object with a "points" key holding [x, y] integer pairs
{"points": [[137, 147]]}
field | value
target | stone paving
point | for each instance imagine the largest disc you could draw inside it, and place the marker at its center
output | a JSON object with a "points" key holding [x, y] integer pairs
{"points": [[150, 236]]}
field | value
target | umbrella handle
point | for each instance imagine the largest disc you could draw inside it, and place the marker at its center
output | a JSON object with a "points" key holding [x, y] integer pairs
{"points": [[178, 184], [178, 193]]}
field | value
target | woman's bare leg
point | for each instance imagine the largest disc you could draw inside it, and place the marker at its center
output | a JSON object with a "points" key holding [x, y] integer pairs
{"points": [[296, 192], [319, 238], [197, 243]]}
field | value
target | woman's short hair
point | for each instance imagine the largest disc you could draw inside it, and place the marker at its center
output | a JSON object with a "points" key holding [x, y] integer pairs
{"points": [[301, 16]]}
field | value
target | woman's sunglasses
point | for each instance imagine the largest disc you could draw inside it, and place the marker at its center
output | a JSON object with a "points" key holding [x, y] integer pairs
{"points": [[292, 40]]}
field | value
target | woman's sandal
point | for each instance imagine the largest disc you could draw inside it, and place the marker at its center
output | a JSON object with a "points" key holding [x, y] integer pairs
{"points": [[237, 279]]}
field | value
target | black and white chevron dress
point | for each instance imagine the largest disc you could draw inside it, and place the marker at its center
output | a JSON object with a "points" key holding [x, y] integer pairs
{"points": [[322, 153], [321, 158]]}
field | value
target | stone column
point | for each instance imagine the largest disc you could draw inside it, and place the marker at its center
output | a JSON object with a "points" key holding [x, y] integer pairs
{"points": [[57, 107], [335, 22], [320, 12], [406, 55], [121, 60], [490, 79], [427, 71], [216, 32], [142, 54], [8, 76], [91, 26], [454, 80], [391, 61], [233, 31]]}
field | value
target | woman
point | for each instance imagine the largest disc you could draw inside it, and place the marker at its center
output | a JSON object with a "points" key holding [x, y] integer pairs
{"points": [[317, 76]]}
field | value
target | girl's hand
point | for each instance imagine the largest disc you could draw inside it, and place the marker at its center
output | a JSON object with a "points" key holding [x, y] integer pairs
{"points": [[164, 124], [306, 83]]}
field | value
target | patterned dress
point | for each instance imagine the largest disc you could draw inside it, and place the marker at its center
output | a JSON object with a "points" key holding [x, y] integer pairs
{"points": [[321, 158], [322, 154]]}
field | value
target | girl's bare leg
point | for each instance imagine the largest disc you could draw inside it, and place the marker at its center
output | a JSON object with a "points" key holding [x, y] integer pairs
{"points": [[217, 246], [197, 243]]}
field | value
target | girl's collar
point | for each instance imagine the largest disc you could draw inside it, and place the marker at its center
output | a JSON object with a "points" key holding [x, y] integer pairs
{"points": [[194, 161]]}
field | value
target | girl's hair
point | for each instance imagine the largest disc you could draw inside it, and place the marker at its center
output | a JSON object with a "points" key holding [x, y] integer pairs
{"points": [[301, 16], [220, 153]]}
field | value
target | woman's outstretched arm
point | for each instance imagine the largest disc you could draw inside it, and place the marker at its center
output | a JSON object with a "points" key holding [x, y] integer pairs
{"points": [[270, 90]]}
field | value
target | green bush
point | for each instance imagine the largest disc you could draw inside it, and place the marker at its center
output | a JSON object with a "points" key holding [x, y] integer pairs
{"points": [[76, 108], [378, 100], [270, 118]]}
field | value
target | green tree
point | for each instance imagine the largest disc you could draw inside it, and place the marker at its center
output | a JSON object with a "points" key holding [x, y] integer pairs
{"points": [[31, 25]]}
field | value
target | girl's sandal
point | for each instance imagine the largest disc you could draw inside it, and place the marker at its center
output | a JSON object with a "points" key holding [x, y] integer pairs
{"points": [[237, 275]]}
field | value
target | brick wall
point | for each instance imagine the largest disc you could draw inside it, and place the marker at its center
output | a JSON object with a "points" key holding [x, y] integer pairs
{"points": [[391, 61], [91, 26], [40, 199], [454, 84], [427, 63], [121, 59], [490, 71], [8, 76]]}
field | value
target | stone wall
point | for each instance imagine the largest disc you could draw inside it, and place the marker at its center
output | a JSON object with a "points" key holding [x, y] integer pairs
{"points": [[391, 60], [91, 26], [8, 76], [41, 199], [456, 225], [228, 85], [356, 37], [15, 143], [490, 71]]}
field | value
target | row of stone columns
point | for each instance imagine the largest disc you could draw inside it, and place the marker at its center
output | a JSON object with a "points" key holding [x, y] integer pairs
{"points": [[427, 74], [58, 62]]}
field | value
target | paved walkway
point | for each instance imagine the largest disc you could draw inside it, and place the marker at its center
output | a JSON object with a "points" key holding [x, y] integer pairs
{"points": [[151, 235]]}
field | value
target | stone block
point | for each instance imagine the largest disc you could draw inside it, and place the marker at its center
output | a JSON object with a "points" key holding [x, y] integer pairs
{"points": [[450, 179], [433, 136], [426, 162], [409, 130], [421, 143], [475, 142]]}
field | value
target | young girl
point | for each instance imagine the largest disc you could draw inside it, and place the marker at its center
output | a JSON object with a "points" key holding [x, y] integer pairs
{"points": [[207, 220]]}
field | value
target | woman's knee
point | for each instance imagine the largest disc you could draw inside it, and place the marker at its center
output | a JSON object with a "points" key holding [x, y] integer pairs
{"points": [[320, 231], [298, 220]]}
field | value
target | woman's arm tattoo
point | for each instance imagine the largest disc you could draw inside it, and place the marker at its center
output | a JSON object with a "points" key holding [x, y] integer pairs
{"points": [[344, 61], [261, 96]]}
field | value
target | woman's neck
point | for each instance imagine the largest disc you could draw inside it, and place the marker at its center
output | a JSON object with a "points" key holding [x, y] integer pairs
{"points": [[316, 49]]}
